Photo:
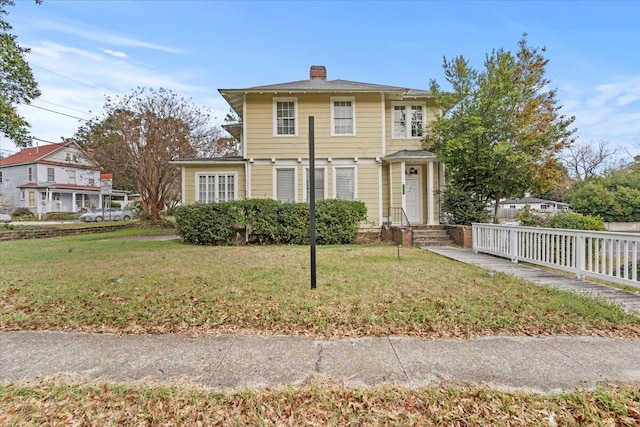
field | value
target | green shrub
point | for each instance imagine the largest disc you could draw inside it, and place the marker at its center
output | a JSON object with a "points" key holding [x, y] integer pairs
{"points": [[58, 216], [268, 221], [576, 221], [462, 208], [209, 224], [22, 213], [530, 219], [116, 205]]}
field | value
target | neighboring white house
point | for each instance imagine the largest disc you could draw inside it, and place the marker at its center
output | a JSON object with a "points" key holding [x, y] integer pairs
{"points": [[50, 178], [509, 208]]}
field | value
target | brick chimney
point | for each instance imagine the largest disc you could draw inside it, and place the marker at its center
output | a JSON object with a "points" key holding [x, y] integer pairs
{"points": [[318, 72]]}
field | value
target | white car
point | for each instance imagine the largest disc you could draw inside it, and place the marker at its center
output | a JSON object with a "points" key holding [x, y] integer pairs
{"points": [[5, 218], [108, 214]]}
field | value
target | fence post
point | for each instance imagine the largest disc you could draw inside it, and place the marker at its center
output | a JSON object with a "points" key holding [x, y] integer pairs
{"points": [[580, 254], [474, 237], [513, 242]]}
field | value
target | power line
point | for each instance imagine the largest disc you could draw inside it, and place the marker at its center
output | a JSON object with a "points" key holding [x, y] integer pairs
{"points": [[72, 79], [57, 112], [62, 106]]}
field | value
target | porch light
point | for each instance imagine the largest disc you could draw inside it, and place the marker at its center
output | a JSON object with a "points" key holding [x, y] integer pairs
{"points": [[411, 171]]}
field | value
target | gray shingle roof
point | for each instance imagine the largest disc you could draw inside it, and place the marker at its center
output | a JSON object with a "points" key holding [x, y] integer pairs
{"points": [[234, 96], [410, 154]]}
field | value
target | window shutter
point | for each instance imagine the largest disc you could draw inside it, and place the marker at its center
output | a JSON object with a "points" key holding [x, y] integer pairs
{"points": [[285, 185]]}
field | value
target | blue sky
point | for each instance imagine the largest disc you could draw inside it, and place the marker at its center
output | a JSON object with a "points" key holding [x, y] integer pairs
{"points": [[84, 50]]}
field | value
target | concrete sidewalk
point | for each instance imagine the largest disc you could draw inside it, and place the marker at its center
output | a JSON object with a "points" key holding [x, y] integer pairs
{"points": [[237, 362]]}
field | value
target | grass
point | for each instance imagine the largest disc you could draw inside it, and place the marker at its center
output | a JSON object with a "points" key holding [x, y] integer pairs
{"points": [[118, 283], [57, 404], [108, 282]]}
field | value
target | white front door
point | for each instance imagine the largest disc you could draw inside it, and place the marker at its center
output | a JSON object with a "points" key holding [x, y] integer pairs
{"points": [[414, 199]]}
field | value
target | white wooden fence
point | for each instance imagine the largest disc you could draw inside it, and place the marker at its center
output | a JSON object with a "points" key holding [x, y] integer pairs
{"points": [[599, 254]]}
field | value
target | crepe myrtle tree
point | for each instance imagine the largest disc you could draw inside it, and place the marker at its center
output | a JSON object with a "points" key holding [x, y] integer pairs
{"points": [[502, 130], [17, 85], [142, 133]]}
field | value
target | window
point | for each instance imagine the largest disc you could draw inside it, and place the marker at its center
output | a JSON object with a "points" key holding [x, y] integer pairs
{"points": [[544, 206], [285, 113], [82, 200], [72, 176], [67, 157], [408, 120], [92, 182], [319, 184], [30, 174], [345, 183], [22, 195], [285, 185], [216, 188], [32, 199], [0, 176], [343, 116], [51, 177]]}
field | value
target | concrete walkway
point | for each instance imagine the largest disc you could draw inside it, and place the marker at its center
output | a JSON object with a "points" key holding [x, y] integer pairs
{"points": [[629, 301], [252, 361], [237, 362]]}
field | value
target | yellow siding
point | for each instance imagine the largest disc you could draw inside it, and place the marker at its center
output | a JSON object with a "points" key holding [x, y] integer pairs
{"points": [[261, 144], [190, 179], [385, 191], [368, 192], [396, 178], [262, 182]]}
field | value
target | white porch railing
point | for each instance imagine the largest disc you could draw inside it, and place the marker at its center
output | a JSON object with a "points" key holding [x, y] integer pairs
{"points": [[599, 254]]}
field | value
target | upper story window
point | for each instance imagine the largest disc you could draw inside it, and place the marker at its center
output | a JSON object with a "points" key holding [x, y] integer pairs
{"points": [[51, 175], [343, 115], [72, 176], [0, 176], [285, 117], [408, 120], [30, 174]]}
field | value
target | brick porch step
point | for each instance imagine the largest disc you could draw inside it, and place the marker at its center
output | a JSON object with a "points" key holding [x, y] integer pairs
{"points": [[426, 237]]}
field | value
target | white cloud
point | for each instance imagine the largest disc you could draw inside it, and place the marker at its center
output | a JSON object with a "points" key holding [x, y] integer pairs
{"points": [[115, 53], [609, 111], [103, 37]]}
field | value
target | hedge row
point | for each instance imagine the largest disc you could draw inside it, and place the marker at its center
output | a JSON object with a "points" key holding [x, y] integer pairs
{"points": [[268, 221]]}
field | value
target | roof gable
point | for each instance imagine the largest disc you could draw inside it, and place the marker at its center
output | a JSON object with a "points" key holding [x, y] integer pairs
{"points": [[39, 154]]}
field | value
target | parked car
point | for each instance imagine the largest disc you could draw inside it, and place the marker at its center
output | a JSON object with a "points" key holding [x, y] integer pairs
{"points": [[108, 214], [5, 217]]}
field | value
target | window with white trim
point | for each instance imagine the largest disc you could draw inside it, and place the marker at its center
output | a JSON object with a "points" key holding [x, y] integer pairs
{"points": [[285, 117], [320, 184], [343, 115], [51, 175], [0, 177], [32, 199], [30, 174], [285, 185], [218, 187], [408, 120], [345, 183], [72, 176]]}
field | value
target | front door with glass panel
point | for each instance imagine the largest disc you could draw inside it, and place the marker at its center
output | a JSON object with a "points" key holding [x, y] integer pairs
{"points": [[414, 199]]}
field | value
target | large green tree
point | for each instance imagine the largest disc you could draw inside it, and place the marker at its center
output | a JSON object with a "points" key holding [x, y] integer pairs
{"points": [[17, 85], [141, 134], [502, 131]]}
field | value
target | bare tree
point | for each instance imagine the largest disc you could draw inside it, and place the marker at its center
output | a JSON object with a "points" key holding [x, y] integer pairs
{"points": [[143, 132], [587, 160]]}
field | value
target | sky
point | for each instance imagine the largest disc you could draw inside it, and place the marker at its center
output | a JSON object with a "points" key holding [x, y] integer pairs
{"points": [[85, 50]]}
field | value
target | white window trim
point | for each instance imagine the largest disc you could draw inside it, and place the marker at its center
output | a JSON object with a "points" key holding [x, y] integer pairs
{"points": [[196, 195], [355, 180], [407, 105], [275, 116], [295, 181], [352, 99], [304, 182], [54, 175], [35, 199]]}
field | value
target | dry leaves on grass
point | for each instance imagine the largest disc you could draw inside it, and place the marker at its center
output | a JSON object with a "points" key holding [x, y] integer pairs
{"points": [[319, 402]]}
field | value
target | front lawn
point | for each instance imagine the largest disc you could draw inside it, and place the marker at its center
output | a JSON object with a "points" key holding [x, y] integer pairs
{"points": [[107, 282]]}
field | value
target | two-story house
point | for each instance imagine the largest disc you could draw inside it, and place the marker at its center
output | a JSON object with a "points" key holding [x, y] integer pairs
{"points": [[50, 178], [367, 147]]}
